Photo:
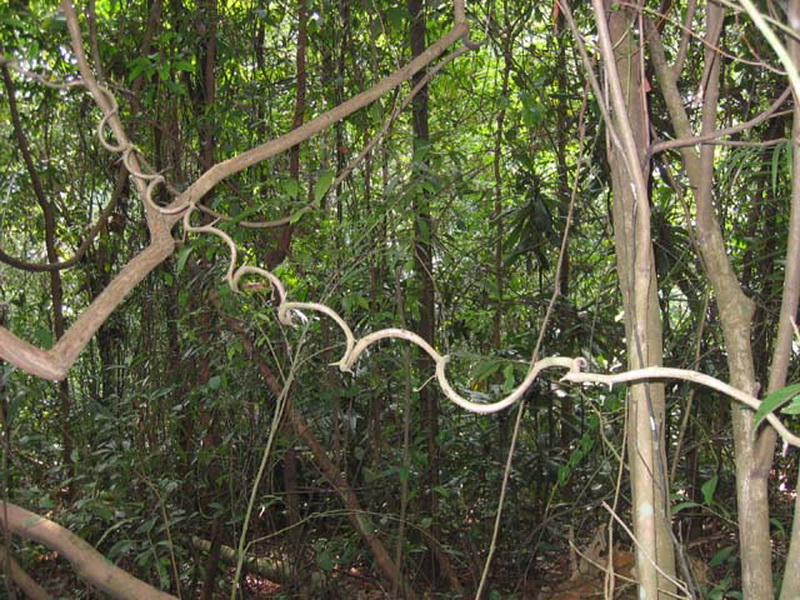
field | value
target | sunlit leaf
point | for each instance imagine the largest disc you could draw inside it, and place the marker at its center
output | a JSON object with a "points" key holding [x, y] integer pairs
{"points": [[774, 401], [323, 185]]}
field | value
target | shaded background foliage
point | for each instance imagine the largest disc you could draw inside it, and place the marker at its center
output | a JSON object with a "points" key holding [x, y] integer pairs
{"points": [[158, 435]]}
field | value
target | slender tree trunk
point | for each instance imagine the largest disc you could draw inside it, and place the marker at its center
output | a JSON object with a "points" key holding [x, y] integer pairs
{"points": [[503, 420], [791, 293], [497, 320], [290, 467], [205, 25], [563, 141], [423, 264], [735, 309], [627, 140]]}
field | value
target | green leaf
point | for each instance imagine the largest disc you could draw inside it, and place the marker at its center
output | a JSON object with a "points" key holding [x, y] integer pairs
{"points": [[403, 472], [140, 66], [793, 408], [297, 216], [291, 188], [779, 526], [163, 572], [325, 560], [103, 511], [183, 256], [323, 185], [442, 491], [773, 401], [121, 548], [683, 505], [14, 406], [486, 369], [44, 337], [424, 229], [395, 16], [245, 214], [776, 166], [184, 65], [721, 557], [708, 489], [508, 374], [563, 474]]}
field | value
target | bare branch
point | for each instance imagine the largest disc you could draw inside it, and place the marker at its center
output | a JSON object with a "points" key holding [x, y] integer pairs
{"points": [[714, 135]]}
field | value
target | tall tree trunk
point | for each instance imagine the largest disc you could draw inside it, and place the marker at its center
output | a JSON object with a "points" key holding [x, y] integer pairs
{"points": [[423, 264], [791, 296], [290, 459], [563, 141], [205, 24], [497, 320], [735, 310], [627, 140]]}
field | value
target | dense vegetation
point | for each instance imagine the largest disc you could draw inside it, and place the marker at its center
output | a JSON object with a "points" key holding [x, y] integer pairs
{"points": [[486, 202]]}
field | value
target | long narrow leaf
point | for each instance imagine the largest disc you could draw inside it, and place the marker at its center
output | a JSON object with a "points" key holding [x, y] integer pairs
{"points": [[774, 401]]}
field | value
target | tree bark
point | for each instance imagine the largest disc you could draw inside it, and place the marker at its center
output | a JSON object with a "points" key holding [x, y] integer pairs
{"points": [[284, 241], [87, 562], [31, 589], [423, 267], [627, 139], [735, 308], [791, 297]]}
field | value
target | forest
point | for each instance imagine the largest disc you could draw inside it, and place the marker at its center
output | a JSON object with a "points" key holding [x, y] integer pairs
{"points": [[373, 299]]}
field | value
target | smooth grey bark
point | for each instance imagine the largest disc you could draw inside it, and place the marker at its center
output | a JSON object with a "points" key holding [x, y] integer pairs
{"points": [[735, 308], [627, 141]]}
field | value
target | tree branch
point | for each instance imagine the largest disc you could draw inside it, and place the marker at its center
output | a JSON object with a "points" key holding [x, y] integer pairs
{"points": [[88, 563], [17, 574], [685, 375], [54, 363], [713, 135]]}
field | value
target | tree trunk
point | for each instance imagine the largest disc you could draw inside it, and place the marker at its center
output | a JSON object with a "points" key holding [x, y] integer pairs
{"points": [[423, 265], [290, 467], [791, 293], [627, 139], [735, 309]]}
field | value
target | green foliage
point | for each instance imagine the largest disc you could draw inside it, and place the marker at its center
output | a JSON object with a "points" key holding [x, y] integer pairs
{"points": [[777, 399], [170, 412]]}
